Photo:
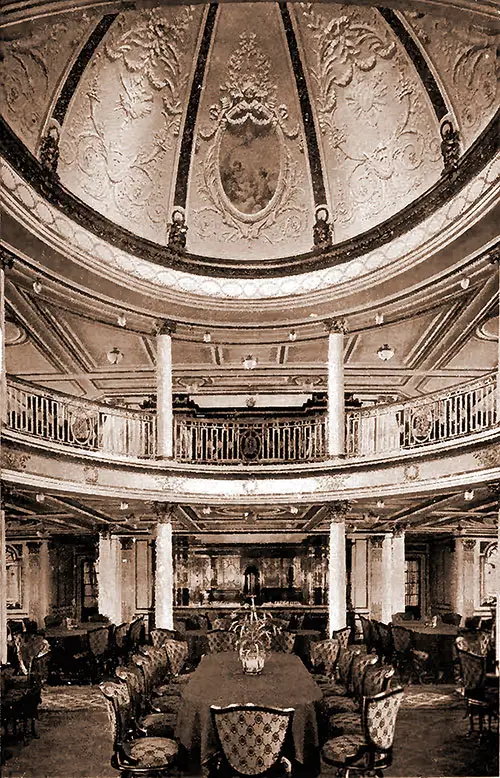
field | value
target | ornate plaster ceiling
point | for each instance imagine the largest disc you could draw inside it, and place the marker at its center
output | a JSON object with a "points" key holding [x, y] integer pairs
{"points": [[248, 117]]}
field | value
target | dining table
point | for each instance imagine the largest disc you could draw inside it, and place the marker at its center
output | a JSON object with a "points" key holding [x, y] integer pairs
{"points": [[66, 643], [219, 680], [439, 642]]}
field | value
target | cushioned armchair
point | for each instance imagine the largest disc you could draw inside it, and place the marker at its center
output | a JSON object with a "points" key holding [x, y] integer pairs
{"points": [[251, 739], [132, 754]]}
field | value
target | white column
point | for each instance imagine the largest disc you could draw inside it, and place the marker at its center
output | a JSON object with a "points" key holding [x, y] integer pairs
{"points": [[387, 573], [458, 577], [164, 576], [164, 416], [398, 572], [109, 577], [337, 568], [336, 408]]}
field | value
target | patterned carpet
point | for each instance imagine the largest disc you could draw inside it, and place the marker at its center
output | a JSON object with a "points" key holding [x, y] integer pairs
{"points": [[72, 698]]}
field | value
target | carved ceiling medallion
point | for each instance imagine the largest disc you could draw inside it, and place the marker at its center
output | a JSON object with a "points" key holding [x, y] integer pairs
{"points": [[248, 177]]}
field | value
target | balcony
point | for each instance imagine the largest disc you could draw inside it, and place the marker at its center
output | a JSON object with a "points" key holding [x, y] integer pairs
{"points": [[379, 432]]}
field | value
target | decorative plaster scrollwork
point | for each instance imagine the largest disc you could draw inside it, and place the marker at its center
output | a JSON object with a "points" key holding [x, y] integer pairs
{"points": [[124, 160], [90, 474], [251, 193], [14, 460], [330, 483], [411, 472], [489, 457]]}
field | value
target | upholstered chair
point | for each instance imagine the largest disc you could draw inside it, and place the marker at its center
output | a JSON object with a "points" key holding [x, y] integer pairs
{"points": [[251, 739]]}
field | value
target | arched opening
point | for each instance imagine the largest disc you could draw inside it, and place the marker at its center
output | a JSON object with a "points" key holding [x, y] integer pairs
{"points": [[251, 583]]}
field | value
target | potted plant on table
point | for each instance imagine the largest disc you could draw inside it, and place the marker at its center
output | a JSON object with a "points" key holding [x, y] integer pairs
{"points": [[254, 632]]}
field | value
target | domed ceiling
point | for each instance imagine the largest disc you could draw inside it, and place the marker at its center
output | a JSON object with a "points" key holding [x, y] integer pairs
{"points": [[261, 130]]}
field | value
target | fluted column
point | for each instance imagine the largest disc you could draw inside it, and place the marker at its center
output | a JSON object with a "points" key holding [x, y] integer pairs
{"points": [[164, 576], [337, 617], [336, 408], [164, 416], [398, 571], [109, 577]]}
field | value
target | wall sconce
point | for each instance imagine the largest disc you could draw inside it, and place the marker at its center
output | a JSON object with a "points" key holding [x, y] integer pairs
{"points": [[292, 336], [114, 356], [207, 337], [385, 353], [121, 320], [469, 495], [249, 362]]}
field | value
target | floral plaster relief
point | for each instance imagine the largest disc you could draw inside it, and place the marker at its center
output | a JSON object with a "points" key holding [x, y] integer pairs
{"points": [[466, 56], [33, 65], [379, 134], [120, 140], [250, 191]]}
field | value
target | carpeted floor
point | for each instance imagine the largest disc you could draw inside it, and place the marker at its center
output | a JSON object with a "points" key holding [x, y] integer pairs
{"points": [[75, 738]]}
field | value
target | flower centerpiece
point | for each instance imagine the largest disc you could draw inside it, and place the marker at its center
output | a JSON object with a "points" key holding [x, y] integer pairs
{"points": [[254, 631]]}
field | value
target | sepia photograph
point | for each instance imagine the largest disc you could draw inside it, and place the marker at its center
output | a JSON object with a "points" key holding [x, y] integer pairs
{"points": [[249, 388]]}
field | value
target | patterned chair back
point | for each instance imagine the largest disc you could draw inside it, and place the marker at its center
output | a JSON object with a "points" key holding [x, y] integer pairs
{"points": [[377, 679], [346, 658], [99, 641], [118, 708], [251, 737], [146, 667], [134, 679], [473, 669], [324, 655], [283, 642], [360, 665], [384, 638], [121, 635], [137, 632], [342, 635], [220, 640], [28, 648], [177, 652], [379, 718], [401, 638], [160, 635], [367, 632]]}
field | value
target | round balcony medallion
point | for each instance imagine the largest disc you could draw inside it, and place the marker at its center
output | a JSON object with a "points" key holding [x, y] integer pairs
{"points": [[250, 445], [82, 425], [422, 422]]}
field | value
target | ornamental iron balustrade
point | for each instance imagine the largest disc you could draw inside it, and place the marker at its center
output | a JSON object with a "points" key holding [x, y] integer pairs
{"points": [[435, 418], [376, 431], [262, 441], [84, 424]]}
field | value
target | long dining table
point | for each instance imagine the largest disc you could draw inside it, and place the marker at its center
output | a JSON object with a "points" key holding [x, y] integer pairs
{"points": [[220, 680]]}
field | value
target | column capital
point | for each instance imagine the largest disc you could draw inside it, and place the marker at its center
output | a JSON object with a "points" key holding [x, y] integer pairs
{"points": [[164, 512], [469, 544], [335, 326], [377, 541], [34, 547], [337, 511], [399, 530], [126, 543], [165, 327]]}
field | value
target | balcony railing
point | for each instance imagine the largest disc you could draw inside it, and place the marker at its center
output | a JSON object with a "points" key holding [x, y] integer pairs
{"points": [[82, 424], [266, 441], [377, 431], [434, 418]]}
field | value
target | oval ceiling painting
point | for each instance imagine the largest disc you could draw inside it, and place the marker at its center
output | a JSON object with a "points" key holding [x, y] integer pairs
{"points": [[249, 166]]}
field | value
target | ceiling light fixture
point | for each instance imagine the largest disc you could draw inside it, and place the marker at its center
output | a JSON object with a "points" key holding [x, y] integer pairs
{"points": [[385, 353], [379, 318], [40, 497], [123, 505], [465, 282], [292, 335], [469, 495], [380, 504], [37, 286], [249, 362], [121, 320], [114, 356], [207, 337], [294, 510], [206, 510]]}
